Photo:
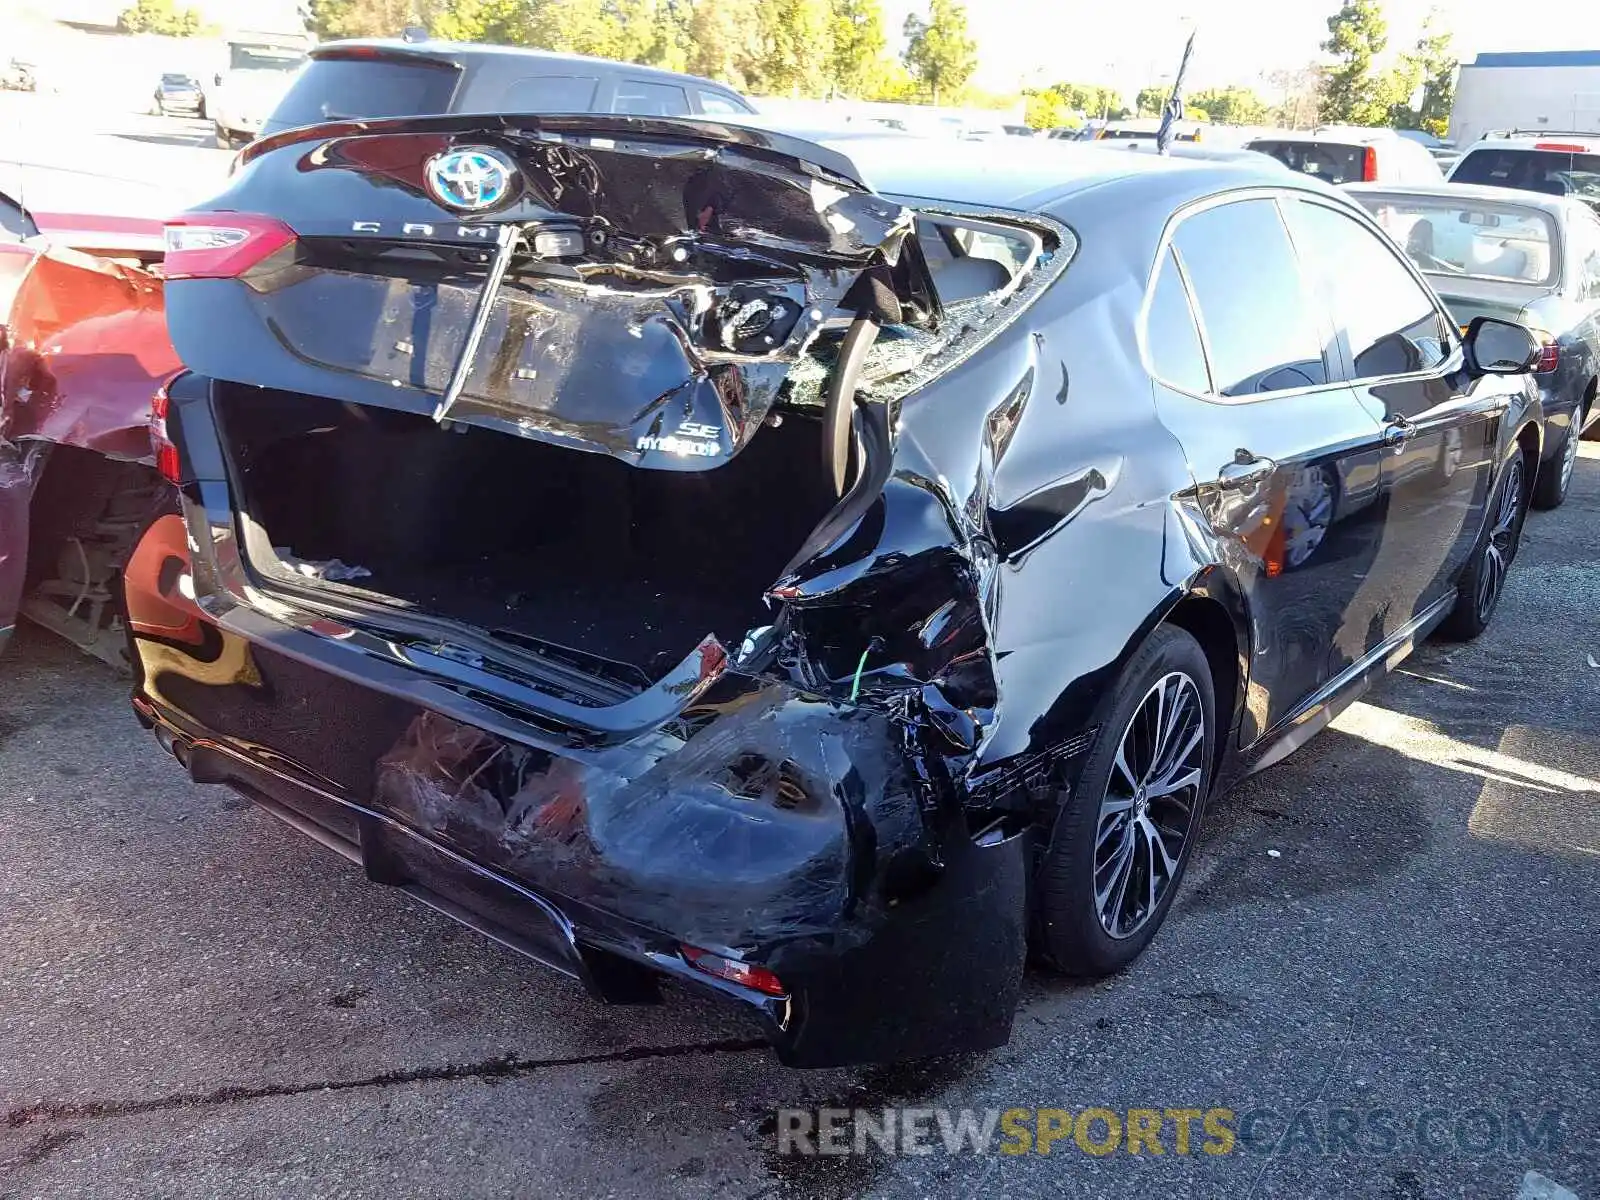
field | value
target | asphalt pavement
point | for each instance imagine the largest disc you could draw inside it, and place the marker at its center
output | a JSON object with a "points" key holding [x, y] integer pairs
{"points": [[1381, 980]]}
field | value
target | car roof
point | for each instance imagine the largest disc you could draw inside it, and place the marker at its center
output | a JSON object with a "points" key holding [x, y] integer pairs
{"points": [[1338, 136], [1482, 193], [471, 54], [1553, 142], [1033, 175]]}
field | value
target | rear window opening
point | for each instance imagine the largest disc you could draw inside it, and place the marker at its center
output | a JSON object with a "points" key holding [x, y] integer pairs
{"points": [[364, 88], [531, 543], [1552, 172], [1334, 162]]}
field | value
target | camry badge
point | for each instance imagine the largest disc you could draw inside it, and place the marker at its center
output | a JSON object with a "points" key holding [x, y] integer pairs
{"points": [[470, 178]]}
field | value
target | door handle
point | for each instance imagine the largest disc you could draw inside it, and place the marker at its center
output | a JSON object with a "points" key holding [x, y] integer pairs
{"points": [[1246, 469], [1398, 432]]}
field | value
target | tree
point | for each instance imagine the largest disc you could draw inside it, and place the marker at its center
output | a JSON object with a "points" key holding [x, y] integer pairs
{"points": [[1352, 95], [795, 47], [503, 21], [1231, 106], [1151, 99], [1044, 108], [722, 42], [939, 52], [159, 16], [1302, 96], [858, 44], [1430, 67]]}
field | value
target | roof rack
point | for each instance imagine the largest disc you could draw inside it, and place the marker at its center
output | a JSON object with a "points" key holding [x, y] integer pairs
{"points": [[1541, 132]]}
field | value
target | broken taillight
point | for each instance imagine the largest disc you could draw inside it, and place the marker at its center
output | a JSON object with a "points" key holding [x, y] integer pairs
{"points": [[167, 461], [747, 974], [220, 245]]}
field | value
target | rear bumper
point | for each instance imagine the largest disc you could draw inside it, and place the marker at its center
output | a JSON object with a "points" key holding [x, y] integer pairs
{"points": [[757, 822]]}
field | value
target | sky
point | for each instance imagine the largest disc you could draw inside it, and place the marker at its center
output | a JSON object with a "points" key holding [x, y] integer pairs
{"points": [[1134, 42]]}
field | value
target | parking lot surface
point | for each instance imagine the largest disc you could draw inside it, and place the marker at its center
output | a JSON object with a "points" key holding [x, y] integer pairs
{"points": [[1401, 919]]}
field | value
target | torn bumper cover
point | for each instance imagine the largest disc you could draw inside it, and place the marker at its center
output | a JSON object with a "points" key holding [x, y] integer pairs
{"points": [[764, 825]]}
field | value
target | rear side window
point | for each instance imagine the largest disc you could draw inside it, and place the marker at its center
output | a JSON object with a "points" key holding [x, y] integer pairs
{"points": [[1171, 335], [1388, 318], [1261, 327], [551, 94], [1334, 162], [331, 89], [1553, 172], [640, 98]]}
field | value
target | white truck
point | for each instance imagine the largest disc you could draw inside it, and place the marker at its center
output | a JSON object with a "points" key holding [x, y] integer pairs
{"points": [[260, 67]]}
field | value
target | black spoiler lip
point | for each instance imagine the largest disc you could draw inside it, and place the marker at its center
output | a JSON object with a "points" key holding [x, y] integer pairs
{"points": [[782, 149]]}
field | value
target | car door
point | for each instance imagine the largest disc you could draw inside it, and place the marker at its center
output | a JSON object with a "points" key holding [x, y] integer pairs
{"points": [[1440, 428], [1582, 283], [1285, 460]]}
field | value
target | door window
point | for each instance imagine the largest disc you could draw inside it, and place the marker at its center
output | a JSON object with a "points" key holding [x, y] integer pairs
{"points": [[1176, 356], [550, 94], [717, 104], [641, 99], [1389, 320], [1261, 326]]}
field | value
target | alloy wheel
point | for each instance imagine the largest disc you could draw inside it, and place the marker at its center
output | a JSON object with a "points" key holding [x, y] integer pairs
{"points": [[1149, 807], [1501, 543]]}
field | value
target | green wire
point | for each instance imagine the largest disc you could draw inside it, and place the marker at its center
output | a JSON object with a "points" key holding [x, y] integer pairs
{"points": [[855, 685]]}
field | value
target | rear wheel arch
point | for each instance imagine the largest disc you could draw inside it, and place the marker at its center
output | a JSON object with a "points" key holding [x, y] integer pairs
{"points": [[1531, 443], [1213, 612]]}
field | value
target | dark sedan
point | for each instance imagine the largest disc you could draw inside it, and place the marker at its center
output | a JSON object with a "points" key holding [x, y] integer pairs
{"points": [[658, 550], [179, 94], [1519, 256]]}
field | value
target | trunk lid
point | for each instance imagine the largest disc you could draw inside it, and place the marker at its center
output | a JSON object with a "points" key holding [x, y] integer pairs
{"points": [[635, 287], [1469, 298]]}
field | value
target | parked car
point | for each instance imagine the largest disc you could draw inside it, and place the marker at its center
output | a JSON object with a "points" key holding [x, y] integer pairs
{"points": [[83, 349], [359, 80], [1145, 129], [261, 67], [179, 94], [1556, 164], [647, 544], [18, 76], [1339, 155], [1525, 257]]}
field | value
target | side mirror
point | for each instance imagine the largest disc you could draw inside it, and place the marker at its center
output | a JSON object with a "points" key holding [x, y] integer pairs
{"points": [[216, 80], [1501, 347]]}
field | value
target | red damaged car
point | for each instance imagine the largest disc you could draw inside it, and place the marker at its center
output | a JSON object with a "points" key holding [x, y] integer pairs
{"points": [[83, 353]]}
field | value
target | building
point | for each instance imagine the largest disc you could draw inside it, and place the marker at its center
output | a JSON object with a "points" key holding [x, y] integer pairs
{"points": [[1532, 90]]}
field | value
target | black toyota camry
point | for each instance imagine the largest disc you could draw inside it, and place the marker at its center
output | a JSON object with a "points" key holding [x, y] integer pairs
{"points": [[815, 573]]}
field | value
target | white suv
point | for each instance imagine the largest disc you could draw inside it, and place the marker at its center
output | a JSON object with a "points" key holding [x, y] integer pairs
{"points": [[1557, 164], [1352, 154]]}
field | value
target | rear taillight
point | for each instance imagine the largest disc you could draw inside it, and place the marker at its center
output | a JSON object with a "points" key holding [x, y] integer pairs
{"points": [[221, 245], [1369, 165], [748, 974], [1569, 147], [167, 462], [1549, 353]]}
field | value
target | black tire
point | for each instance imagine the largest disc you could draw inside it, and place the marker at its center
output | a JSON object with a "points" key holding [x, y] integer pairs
{"points": [[1070, 932], [1483, 580], [1555, 474]]}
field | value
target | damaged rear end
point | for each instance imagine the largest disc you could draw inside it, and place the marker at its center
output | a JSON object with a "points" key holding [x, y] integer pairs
{"points": [[554, 461]]}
